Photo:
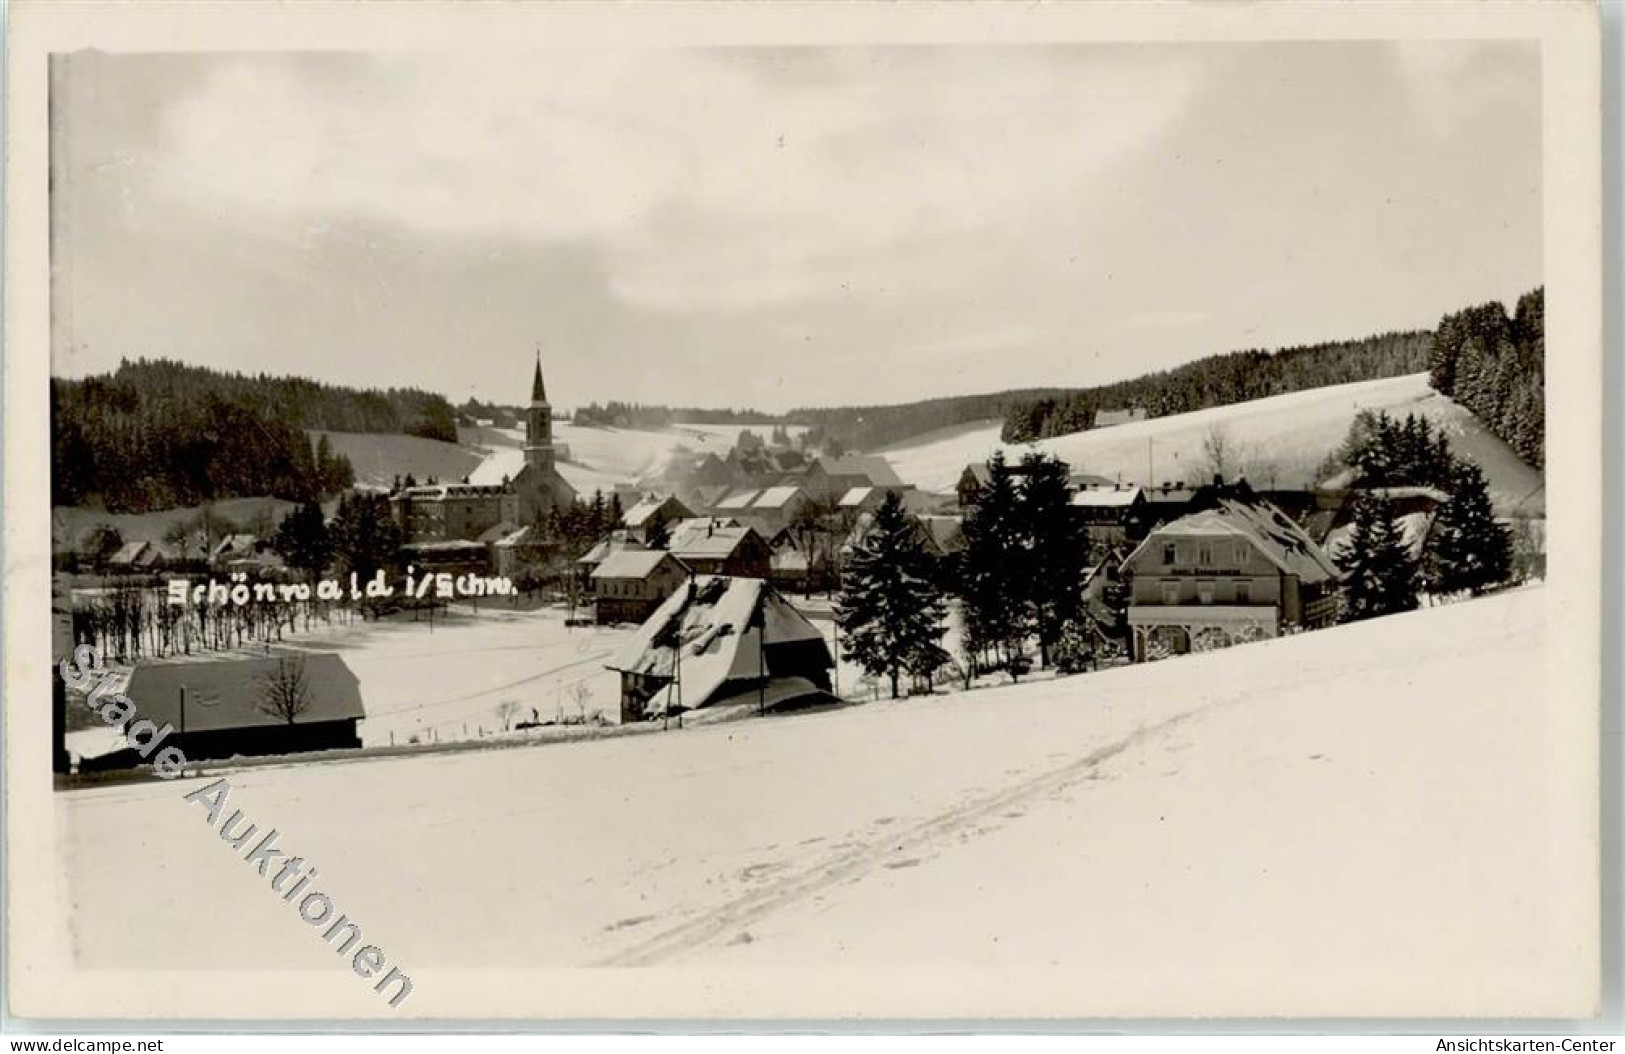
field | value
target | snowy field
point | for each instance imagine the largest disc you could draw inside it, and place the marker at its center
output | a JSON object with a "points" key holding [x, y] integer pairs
{"points": [[603, 457], [447, 682], [1351, 815], [1280, 441]]}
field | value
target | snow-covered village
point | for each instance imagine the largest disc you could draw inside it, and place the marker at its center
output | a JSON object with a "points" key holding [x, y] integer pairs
{"points": [[907, 585]]}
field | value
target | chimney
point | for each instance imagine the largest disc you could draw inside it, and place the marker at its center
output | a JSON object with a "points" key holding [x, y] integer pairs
{"points": [[1218, 480]]}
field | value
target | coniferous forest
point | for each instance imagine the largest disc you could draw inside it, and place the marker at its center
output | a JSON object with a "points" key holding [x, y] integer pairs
{"points": [[155, 434], [1496, 367], [1221, 380]]}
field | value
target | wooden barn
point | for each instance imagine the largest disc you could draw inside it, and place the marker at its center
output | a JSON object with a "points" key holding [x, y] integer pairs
{"points": [[246, 707], [718, 641]]}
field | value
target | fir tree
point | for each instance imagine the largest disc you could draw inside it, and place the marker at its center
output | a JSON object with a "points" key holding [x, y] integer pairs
{"points": [[1468, 550], [1055, 550], [365, 537], [302, 540], [993, 610], [1380, 577], [890, 613]]}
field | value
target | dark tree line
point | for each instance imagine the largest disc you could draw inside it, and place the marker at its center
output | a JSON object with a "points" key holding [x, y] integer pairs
{"points": [[158, 434], [1495, 366], [580, 526], [617, 414], [1221, 380]]}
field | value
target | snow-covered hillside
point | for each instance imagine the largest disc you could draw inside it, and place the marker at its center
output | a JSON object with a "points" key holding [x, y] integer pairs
{"points": [[600, 458], [1281, 440], [1332, 821]]}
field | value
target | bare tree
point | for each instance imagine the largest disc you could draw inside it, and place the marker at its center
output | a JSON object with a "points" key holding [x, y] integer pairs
{"points": [[1220, 456], [507, 710], [285, 690]]}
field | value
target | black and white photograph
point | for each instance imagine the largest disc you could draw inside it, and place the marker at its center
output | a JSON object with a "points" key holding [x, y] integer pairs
{"points": [[835, 520]]}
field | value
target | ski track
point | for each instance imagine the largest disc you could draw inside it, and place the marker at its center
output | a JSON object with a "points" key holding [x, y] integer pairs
{"points": [[850, 864]]}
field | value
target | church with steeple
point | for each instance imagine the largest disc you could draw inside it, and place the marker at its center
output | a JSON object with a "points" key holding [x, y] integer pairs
{"points": [[538, 485], [447, 512]]}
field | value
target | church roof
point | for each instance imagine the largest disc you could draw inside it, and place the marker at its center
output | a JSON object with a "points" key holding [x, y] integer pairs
{"points": [[538, 390]]}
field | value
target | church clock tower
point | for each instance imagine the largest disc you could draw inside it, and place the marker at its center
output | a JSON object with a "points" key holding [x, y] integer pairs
{"points": [[539, 451]]}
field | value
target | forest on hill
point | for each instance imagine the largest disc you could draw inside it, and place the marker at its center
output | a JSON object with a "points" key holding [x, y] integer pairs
{"points": [[155, 434], [1495, 366], [1222, 380]]}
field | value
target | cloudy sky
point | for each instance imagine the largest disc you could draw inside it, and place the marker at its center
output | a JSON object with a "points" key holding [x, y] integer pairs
{"points": [[781, 227]]}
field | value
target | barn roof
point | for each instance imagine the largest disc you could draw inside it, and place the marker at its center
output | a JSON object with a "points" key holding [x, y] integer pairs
{"points": [[226, 694], [711, 631]]}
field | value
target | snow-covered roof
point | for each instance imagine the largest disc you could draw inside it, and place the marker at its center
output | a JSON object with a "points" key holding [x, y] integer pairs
{"points": [[650, 504], [775, 497], [632, 563], [706, 541], [1106, 499], [234, 543], [226, 693], [1270, 530], [947, 533], [703, 634], [521, 536], [615, 542], [855, 497], [1397, 493], [496, 532], [739, 499]]}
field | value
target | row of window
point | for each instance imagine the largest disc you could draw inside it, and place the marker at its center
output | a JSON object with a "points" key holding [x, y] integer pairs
{"points": [[1207, 553], [1212, 592]]}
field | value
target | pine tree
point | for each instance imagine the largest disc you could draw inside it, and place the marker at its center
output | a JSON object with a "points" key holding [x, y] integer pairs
{"points": [[365, 537], [1056, 550], [994, 613], [1380, 577], [302, 540], [1468, 550], [890, 613]]}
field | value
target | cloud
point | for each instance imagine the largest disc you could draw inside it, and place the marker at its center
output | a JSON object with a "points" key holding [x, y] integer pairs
{"points": [[727, 180]]}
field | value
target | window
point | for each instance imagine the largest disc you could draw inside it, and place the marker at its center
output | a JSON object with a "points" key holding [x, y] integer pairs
{"points": [[1241, 554], [1204, 592], [1244, 592], [1168, 553], [1204, 554], [1170, 592]]}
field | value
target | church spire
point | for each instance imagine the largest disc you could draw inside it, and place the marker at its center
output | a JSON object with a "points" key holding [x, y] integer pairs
{"points": [[538, 390]]}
